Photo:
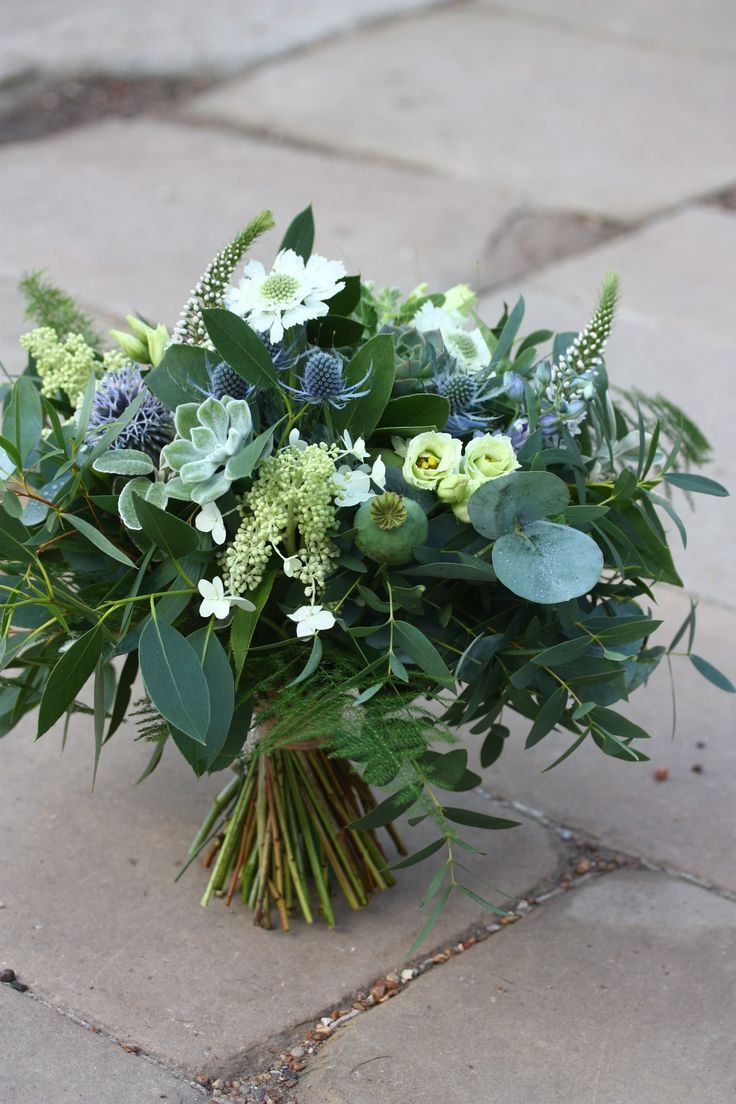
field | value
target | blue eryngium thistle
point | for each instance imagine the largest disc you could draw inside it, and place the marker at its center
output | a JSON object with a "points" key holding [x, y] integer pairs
{"points": [[323, 383], [151, 426], [225, 382]]}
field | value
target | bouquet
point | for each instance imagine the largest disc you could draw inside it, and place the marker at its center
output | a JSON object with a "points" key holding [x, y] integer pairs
{"points": [[316, 528]]}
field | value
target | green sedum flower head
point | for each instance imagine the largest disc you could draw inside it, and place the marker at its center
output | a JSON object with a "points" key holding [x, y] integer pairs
{"points": [[208, 434], [65, 364]]}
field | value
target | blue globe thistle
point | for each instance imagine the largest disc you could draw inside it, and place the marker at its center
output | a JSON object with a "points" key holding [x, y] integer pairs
{"points": [[226, 383], [151, 426], [467, 394], [322, 382]]}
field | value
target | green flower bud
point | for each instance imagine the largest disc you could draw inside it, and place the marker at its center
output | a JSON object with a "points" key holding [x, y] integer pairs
{"points": [[131, 346], [460, 298]]}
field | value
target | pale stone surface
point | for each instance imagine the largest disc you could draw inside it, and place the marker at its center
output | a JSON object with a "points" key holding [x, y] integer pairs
{"points": [[47, 1057], [170, 37], [682, 26], [140, 209], [12, 325], [686, 821], [674, 336], [622, 990], [578, 122], [96, 925]]}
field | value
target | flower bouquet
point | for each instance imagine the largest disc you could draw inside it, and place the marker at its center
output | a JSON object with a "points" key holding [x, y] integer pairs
{"points": [[327, 524]]}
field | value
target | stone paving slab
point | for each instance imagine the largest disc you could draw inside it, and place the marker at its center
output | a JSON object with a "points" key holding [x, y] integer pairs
{"points": [[674, 335], [49, 1059], [141, 207], [95, 924], [622, 990], [686, 821], [170, 37], [475, 95], [688, 28]]}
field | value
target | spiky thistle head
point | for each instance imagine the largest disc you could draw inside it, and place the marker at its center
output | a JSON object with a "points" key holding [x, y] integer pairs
{"points": [[150, 428], [190, 329], [585, 352]]}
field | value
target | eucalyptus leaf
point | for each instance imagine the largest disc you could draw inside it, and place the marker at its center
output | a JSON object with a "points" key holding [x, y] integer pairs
{"points": [[174, 679], [547, 563], [68, 676], [518, 498]]}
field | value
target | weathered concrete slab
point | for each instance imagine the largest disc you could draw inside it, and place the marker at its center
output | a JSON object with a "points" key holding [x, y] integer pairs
{"points": [[673, 336], [95, 924], [622, 990], [170, 38], [141, 207], [12, 325], [686, 821], [47, 1057], [555, 118], [708, 27]]}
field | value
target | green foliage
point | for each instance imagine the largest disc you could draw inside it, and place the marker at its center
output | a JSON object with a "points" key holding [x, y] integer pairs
{"points": [[48, 305]]}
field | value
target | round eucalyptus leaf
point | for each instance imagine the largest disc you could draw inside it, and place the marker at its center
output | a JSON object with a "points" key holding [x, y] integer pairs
{"points": [[518, 498], [547, 562]]}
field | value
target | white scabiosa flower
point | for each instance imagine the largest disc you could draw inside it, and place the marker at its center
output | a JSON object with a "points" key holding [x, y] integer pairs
{"points": [[312, 619], [289, 295], [466, 347], [209, 520], [216, 601]]}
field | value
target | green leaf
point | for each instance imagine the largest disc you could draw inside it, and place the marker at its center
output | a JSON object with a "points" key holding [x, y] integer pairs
{"points": [[508, 334], [447, 769], [698, 484], [483, 903], [311, 665], [551, 712], [362, 415], [473, 819], [174, 679], [622, 630], [181, 377], [332, 331], [241, 347], [493, 745], [98, 539], [13, 538], [517, 498], [389, 809], [68, 677], [415, 414], [547, 563], [560, 654], [299, 235], [244, 622], [99, 716], [578, 515], [431, 921], [422, 651], [167, 532], [712, 674], [242, 464], [615, 724], [123, 693], [345, 302], [418, 856], [23, 418], [219, 678]]}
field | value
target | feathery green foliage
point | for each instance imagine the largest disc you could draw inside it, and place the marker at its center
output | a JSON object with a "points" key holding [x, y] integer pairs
{"points": [[48, 305]]}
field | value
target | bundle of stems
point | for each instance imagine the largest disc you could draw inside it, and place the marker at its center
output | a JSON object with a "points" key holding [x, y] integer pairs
{"points": [[280, 838]]}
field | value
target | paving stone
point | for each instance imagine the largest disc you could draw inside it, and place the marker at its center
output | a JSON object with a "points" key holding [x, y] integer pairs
{"points": [[171, 37], [621, 990], [94, 923], [708, 27], [47, 1057], [12, 325], [673, 336], [557, 119], [141, 207]]}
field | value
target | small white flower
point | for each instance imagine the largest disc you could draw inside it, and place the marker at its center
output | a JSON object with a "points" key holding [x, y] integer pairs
{"points": [[378, 473], [209, 520], [217, 601], [295, 440], [354, 448], [312, 619], [432, 319], [291, 566], [353, 486], [399, 445], [289, 295]]}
